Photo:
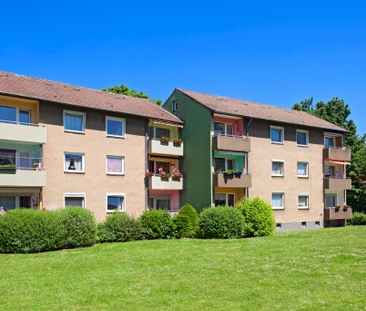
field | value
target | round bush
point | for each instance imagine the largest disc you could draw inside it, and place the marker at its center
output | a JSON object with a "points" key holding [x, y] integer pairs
{"points": [[186, 222], [30, 231], [221, 222], [157, 224], [258, 215], [79, 225], [358, 219], [119, 227]]}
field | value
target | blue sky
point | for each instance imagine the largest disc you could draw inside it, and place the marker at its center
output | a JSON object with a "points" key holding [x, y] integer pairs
{"points": [[273, 52]]}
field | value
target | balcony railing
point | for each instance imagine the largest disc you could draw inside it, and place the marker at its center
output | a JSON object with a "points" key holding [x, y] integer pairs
{"points": [[338, 213], [232, 179], [231, 143], [9, 163], [337, 153], [166, 146], [22, 132], [337, 182], [158, 182]]}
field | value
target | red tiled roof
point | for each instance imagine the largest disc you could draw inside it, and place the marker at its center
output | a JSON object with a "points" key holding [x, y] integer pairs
{"points": [[34, 88], [225, 105]]}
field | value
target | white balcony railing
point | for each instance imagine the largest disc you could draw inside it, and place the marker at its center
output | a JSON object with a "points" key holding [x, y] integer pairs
{"points": [[22, 132], [156, 182], [156, 146]]}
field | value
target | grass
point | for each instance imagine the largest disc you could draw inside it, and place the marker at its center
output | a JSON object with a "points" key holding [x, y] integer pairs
{"points": [[317, 270]]}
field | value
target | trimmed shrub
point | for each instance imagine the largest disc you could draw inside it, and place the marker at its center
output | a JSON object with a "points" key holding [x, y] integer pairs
{"points": [[119, 227], [30, 231], [186, 222], [258, 215], [358, 219], [80, 227], [221, 222], [157, 224]]}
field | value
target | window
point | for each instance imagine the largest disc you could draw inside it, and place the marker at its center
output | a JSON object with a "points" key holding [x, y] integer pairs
{"points": [[115, 127], [7, 158], [161, 132], [277, 168], [230, 164], [8, 202], [74, 121], [115, 165], [8, 114], [74, 199], [302, 169], [303, 201], [278, 201], [224, 199], [223, 129], [24, 116], [329, 142], [219, 164], [163, 203], [115, 202], [330, 200], [329, 170], [302, 138], [74, 162], [277, 134], [175, 106]]}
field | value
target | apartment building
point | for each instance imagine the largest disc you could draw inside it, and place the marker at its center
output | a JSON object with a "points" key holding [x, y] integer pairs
{"points": [[64, 145], [293, 160]]}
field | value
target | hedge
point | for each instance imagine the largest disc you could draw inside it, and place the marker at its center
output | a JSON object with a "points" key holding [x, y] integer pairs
{"points": [[119, 227], [186, 222], [221, 222], [358, 219], [157, 224], [258, 215]]}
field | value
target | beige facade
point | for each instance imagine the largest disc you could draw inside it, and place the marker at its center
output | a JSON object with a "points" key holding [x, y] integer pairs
{"points": [[263, 152], [94, 183]]}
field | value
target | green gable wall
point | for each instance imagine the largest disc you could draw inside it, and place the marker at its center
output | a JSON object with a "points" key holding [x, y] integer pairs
{"points": [[196, 135]]}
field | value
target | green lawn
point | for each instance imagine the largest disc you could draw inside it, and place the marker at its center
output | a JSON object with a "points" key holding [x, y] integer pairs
{"points": [[317, 270]]}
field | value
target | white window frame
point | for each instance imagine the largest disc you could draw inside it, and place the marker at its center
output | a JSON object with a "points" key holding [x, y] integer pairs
{"points": [[283, 200], [333, 136], [282, 134], [307, 138], [118, 194], [83, 114], [175, 106], [123, 165], [307, 169], [279, 161], [82, 163], [325, 200], [225, 128], [17, 110], [305, 194], [122, 120], [75, 195]]}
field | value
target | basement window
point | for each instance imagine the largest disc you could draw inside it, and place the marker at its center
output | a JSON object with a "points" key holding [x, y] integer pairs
{"points": [[278, 225], [303, 224]]}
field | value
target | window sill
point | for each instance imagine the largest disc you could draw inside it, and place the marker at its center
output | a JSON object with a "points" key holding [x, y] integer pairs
{"points": [[304, 177], [75, 172], [116, 136], [303, 208], [115, 174], [111, 212], [277, 142], [278, 208], [277, 175], [302, 146], [75, 132]]}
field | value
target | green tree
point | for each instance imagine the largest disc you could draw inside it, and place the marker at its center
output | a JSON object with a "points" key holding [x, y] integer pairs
{"points": [[125, 90], [338, 112]]}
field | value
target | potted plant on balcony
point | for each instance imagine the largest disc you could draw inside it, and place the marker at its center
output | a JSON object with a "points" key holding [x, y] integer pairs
{"points": [[177, 175], [337, 208], [229, 173], [149, 174], [177, 142], [237, 173], [163, 174], [345, 207], [5, 164], [164, 140]]}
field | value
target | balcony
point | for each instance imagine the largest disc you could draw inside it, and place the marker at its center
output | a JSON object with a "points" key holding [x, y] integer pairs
{"points": [[28, 133], [166, 147], [156, 182], [236, 180], [231, 143], [337, 213], [333, 183], [337, 154]]}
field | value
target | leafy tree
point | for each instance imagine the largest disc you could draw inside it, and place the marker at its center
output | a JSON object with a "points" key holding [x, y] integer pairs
{"points": [[125, 90], [338, 112]]}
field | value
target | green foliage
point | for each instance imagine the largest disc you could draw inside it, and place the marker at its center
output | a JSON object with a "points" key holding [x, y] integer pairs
{"points": [[157, 224], [80, 227], [338, 112], [30, 231], [258, 215], [119, 227], [221, 222], [125, 90], [186, 222], [358, 219]]}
